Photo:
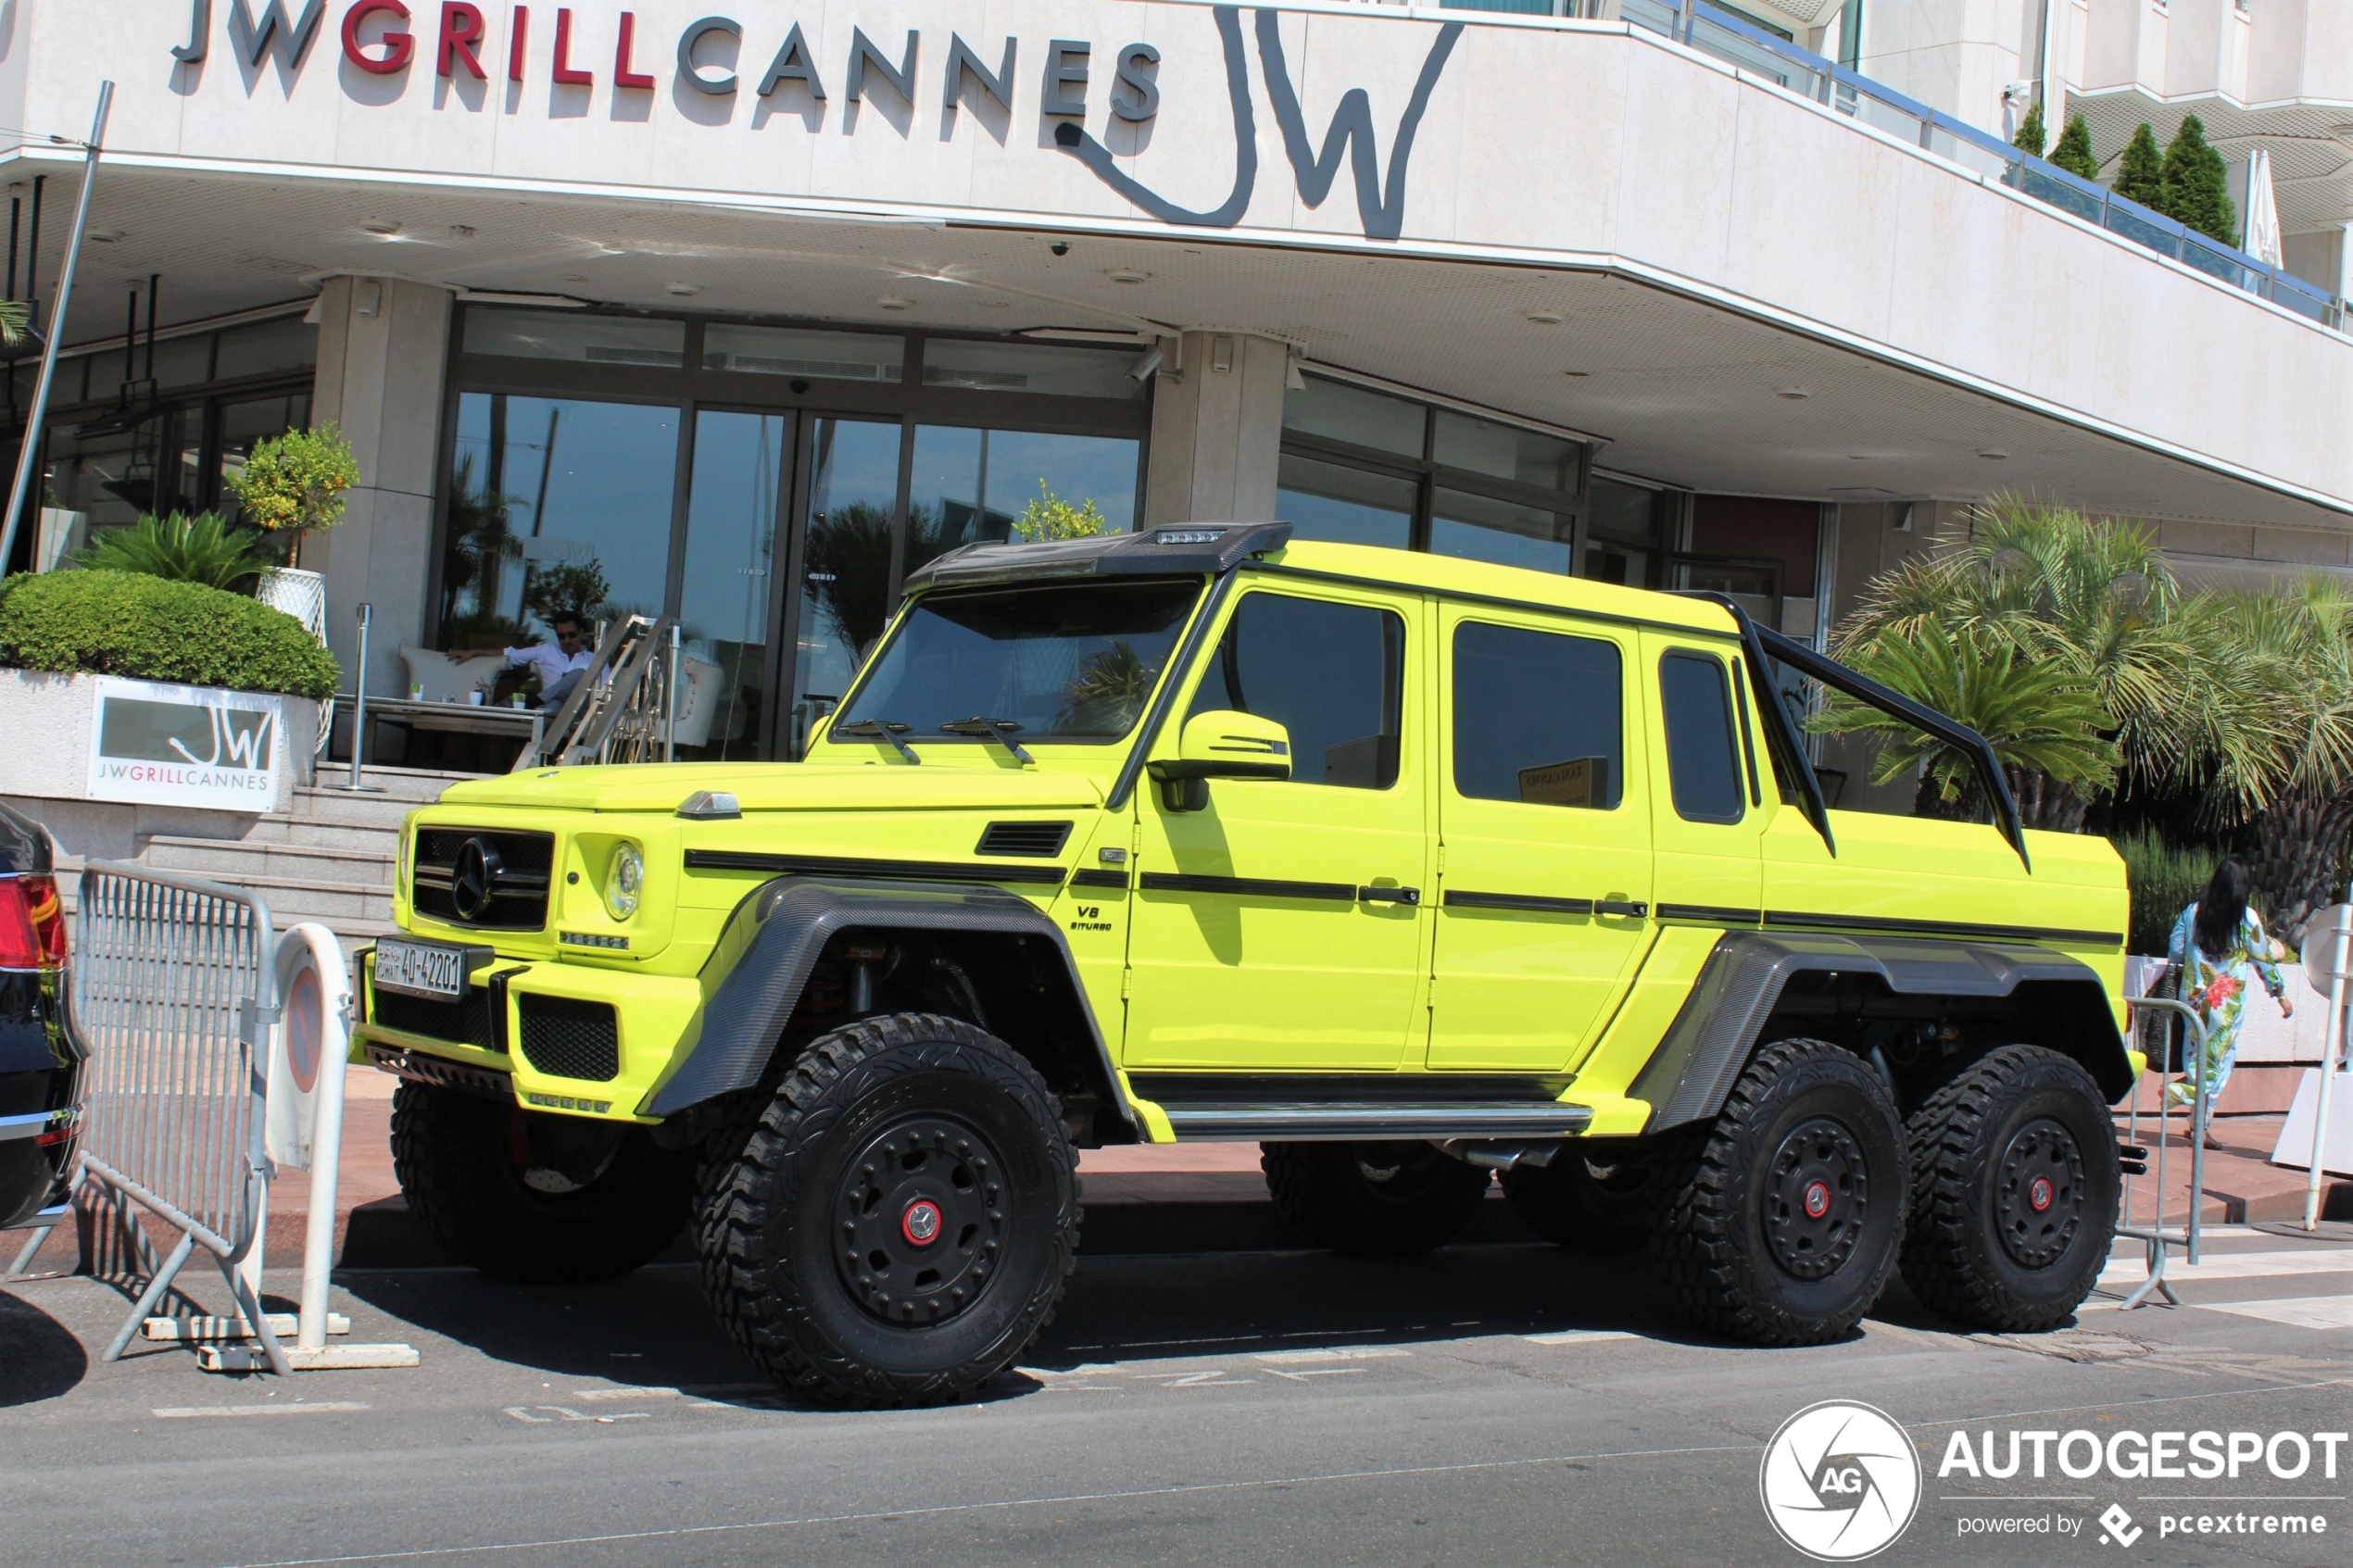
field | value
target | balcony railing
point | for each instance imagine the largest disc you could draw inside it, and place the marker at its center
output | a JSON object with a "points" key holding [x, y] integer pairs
{"points": [[1727, 38]]}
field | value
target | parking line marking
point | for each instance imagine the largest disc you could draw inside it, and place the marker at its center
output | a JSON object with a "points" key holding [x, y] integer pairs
{"points": [[1580, 1336], [2296, 1312], [2235, 1265], [176, 1413], [1363, 1353]]}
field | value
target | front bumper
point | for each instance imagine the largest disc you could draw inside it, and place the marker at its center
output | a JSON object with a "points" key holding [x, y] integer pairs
{"points": [[560, 1037]]}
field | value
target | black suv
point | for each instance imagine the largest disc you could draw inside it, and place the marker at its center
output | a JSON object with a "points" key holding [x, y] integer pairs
{"points": [[41, 1053]]}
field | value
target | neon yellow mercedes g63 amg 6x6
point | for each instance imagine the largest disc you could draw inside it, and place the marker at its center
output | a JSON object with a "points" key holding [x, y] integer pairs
{"points": [[1414, 869]]}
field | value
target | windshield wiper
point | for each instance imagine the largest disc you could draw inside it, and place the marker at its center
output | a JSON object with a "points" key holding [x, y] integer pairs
{"points": [[879, 729], [999, 730]]}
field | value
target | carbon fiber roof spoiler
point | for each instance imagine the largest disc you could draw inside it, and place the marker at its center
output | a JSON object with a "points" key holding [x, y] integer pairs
{"points": [[1193, 550]]}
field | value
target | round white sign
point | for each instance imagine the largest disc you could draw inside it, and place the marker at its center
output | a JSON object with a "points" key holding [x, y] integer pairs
{"points": [[1840, 1481], [2328, 946]]}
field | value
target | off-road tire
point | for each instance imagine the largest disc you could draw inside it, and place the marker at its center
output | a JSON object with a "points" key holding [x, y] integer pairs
{"points": [[1589, 1200], [463, 1159], [1977, 1250], [889, 1107], [1372, 1199], [1738, 1199]]}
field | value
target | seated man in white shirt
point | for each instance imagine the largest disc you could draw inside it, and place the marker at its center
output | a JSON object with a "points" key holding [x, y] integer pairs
{"points": [[560, 668]]}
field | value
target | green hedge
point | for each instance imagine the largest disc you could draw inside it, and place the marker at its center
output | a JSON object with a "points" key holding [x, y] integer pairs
{"points": [[154, 629]]}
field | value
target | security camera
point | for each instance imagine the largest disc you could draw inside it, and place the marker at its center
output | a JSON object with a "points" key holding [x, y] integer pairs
{"points": [[1060, 247], [1147, 362]]}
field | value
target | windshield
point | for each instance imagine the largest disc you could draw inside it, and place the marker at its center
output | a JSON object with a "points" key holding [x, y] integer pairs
{"points": [[1068, 661]]}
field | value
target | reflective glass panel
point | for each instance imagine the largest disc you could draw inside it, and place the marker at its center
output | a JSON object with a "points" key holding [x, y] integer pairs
{"points": [[845, 590], [1538, 717], [810, 356], [1332, 674], [1505, 451], [1701, 768], [1343, 506], [1339, 412], [975, 484], [288, 344], [1054, 369], [1481, 528], [563, 334], [722, 608]]}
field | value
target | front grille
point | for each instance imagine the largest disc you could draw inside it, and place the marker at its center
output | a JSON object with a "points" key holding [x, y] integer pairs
{"points": [[469, 1020], [570, 1039], [1023, 838], [513, 869]]}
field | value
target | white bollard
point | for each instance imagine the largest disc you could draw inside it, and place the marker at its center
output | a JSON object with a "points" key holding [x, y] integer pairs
{"points": [[2332, 945]]}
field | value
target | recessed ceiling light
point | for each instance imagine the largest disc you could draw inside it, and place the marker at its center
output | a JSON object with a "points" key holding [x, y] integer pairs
{"points": [[102, 236], [1125, 275], [684, 290], [1576, 375], [1545, 317], [1996, 453], [383, 226], [461, 231], [892, 302], [1792, 393]]}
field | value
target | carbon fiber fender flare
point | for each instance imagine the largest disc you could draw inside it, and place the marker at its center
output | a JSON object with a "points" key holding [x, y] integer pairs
{"points": [[773, 941], [1704, 1050]]}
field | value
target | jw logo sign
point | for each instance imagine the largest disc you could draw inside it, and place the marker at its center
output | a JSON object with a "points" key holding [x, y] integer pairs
{"points": [[184, 745], [717, 67]]}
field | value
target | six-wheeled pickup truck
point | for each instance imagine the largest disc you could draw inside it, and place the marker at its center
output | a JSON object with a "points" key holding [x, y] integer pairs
{"points": [[1415, 871]]}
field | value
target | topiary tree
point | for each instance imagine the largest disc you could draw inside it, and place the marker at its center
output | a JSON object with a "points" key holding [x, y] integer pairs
{"points": [[2074, 150], [155, 628], [2140, 173], [1050, 517], [2198, 188], [297, 482], [2030, 135]]}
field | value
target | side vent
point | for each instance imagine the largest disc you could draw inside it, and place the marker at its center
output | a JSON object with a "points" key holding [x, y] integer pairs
{"points": [[1039, 839]]}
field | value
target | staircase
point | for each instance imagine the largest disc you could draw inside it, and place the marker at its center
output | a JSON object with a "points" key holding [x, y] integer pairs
{"points": [[328, 859]]}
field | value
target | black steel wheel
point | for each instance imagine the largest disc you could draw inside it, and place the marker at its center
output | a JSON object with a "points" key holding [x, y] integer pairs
{"points": [[1780, 1224], [1373, 1199], [903, 1220], [525, 1195], [1597, 1198], [2014, 1186]]}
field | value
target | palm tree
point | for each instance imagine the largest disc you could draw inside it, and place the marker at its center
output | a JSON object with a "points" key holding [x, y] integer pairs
{"points": [[2096, 601], [2043, 721]]}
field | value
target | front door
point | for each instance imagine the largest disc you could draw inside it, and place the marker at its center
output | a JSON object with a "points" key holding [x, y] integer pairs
{"points": [[1272, 931], [1544, 832]]}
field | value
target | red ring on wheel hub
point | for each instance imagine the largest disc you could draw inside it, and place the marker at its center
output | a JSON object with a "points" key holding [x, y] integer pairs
{"points": [[920, 1224], [2038, 1194], [1817, 1199]]}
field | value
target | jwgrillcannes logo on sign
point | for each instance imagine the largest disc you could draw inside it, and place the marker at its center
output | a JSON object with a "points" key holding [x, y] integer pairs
{"points": [[184, 745]]}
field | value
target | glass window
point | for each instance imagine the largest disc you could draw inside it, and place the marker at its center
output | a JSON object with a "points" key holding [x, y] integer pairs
{"points": [[1483, 528], [556, 334], [975, 484], [1332, 674], [1702, 767], [1538, 717], [187, 362], [983, 366], [845, 590], [1362, 417], [1066, 661], [783, 351], [722, 608], [287, 344], [555, 504], [1621, 533], [1344, 506], [1505, 451]]}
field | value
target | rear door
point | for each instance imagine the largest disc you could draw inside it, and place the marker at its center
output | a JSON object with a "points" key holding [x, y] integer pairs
{"points": [[1545, 838], [1708, 802]]}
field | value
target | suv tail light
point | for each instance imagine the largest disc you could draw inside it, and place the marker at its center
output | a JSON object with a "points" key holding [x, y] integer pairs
{"points": [[33, 924]]}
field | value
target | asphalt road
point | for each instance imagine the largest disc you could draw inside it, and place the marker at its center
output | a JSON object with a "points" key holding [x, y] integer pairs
{"points": [[1495, 1404]]}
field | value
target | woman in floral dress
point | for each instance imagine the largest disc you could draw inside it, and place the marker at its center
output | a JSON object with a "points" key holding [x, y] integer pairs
{"points": [[2219, 946]]}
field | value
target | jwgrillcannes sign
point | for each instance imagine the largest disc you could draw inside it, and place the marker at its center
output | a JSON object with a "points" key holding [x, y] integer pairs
{"points": [[158, 745]]}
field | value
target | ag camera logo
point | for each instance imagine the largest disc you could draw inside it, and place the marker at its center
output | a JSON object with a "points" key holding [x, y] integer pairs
{"points": [[1840, 1481]]}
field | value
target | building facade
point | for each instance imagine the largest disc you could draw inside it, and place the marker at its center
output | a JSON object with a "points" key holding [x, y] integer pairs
{"points": [[740, 316]]}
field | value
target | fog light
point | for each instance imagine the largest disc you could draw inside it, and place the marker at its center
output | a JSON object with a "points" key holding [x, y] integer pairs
{"points": [[624, 881]]}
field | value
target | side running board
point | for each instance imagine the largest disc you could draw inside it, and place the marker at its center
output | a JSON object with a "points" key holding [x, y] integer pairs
{"points": [[1276, 1122]]}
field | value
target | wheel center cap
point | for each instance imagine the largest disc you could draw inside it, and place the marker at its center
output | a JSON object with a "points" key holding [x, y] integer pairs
{"points": [[920, 1224], [1817, 1199], [2038, 1194]]}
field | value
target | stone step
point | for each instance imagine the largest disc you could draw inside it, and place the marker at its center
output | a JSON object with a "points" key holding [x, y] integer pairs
{"points": [[231, 859], [415, 785], [285, 828], [385, 811]]}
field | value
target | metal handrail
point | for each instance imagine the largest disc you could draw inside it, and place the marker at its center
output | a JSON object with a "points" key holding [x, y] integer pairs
{"points": [[2155, 1236]]}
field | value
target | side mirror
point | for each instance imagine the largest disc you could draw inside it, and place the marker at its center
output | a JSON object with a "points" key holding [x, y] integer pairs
{"points": [[1221, 744]]}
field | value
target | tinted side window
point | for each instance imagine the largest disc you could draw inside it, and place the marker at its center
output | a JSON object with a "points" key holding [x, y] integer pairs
{"points": [[1701, 767], [1332, 674], [1538, 717]]}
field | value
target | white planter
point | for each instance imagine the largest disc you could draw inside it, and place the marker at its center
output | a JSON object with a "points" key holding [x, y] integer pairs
{"points": [[300, 594], [108, 799]]}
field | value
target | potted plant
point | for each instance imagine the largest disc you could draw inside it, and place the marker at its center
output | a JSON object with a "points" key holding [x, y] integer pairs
{"points": [[297, 483]]}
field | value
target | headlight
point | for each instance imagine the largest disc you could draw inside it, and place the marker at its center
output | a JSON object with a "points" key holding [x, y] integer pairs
{"points": [[623, 881]]}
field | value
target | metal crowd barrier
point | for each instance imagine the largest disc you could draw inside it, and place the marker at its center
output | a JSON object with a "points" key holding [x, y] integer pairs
{"points": [[2156, 1236], [175, 989]]}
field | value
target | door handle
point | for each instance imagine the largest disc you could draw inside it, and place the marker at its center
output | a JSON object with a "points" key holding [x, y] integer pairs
{"points": [[1388, 894], [1620, 907]]}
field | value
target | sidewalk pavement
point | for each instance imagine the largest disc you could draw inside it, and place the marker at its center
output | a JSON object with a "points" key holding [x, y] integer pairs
{"points": [[1181, 1198]]}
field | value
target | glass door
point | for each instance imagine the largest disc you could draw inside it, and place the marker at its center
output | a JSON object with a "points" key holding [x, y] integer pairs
{"points": [[727, 594], [844, 552]]}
